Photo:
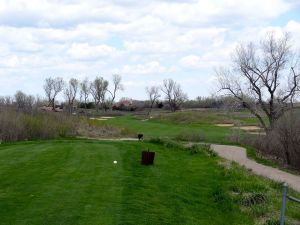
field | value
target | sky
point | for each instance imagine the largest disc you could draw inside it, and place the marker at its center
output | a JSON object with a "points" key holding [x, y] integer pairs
{"points": [[145, 41]]}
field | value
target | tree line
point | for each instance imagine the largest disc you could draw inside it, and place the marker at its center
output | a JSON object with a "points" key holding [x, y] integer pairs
{"points": [[103, 95]]}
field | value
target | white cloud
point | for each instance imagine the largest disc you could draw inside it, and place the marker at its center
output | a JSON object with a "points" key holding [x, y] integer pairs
{"points": [[191, 61], [182, 39], [85, 51], [208, 60], [192, 40], [149, 68], [222, 11], [293, 28]]}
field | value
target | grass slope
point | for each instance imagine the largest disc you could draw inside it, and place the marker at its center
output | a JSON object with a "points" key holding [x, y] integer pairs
{"points": [[162, 128], [198, 125], [75, 182]]}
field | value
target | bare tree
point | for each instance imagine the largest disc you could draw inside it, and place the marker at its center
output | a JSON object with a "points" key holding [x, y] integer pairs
{"points": [[24, 102], [263, 78], [52, 87], [173, 94], [85, 91], [2, 101], [153, 95], [71, 93], [20, 99], [117, 85], [6, 101], [98, 89]]}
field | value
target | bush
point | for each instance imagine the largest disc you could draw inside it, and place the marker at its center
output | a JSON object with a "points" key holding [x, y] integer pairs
{"points": [[17, 126], [201, 148], [235, 135], [282, 143], [207, 148], [89, 105], [253, 199], [157, 141], [94, 129], [168, 143], [194, 149], [192, 137], [287, 131], [272, 222]]}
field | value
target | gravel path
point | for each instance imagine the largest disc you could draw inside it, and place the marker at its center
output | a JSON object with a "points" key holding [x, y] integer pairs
{"points": [[239, 155]]}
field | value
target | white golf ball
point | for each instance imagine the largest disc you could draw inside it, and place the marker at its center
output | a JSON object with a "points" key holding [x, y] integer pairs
{"points": [[115, 162]]}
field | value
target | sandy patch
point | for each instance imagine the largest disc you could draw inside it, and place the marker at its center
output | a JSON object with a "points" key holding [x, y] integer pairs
{"points": [[249, 128], [224, 124], [92, 118], [106, 117], [257, 133]]}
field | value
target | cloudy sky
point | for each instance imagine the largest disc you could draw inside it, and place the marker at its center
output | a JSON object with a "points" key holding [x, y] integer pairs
{"points": [[145, 41]]}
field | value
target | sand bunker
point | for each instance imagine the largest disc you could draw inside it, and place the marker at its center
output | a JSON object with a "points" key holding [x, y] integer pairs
{"points": [[92, 118], [224, 124], [102, 118], [250, 128], [257, 133]]}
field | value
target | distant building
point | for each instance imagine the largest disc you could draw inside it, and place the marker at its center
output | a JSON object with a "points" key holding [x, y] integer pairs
{"points": [[49, 109]]}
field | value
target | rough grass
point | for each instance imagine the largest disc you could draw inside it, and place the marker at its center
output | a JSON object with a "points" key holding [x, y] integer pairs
{"points": [[17, 126], [94, 129], [208, 116], [75, 182], [20, 126]]}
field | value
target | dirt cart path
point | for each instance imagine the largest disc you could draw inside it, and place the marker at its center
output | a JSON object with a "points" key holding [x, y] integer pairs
{"points": [[239, 155]]}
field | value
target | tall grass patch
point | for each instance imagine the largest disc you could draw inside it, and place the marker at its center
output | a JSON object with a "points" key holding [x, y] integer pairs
{"points": [[16, 126]]}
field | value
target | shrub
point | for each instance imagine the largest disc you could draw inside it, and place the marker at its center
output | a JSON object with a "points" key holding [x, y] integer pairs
{"points": [[272, 222], [253, 199], [156, 141], [91, 128], [168, 143], [16, 126], [282, 143], [287, 131], [236, 135], [194, 149], [193, 137], [207, 148]]}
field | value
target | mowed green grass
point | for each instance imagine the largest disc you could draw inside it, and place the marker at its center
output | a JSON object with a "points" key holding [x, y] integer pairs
{"points": [[75, 182], [183, 123]]}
